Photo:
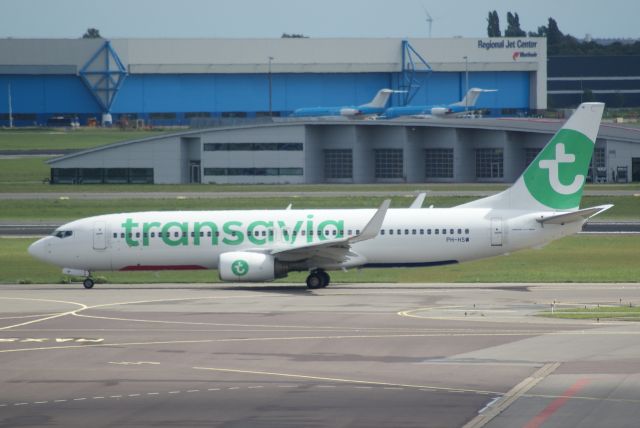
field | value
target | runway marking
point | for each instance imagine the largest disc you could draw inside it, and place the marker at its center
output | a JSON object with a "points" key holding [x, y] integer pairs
{"points": [[489, 404], [556, 404], [46, 318], [118, 397], [132, 363], [380, 386], [341, 380], [27, 316], [335, 337], [512, 395], [292, 327]]}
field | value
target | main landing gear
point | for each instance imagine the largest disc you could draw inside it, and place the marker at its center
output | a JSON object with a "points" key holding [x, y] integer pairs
{"points": [[318, 279], [88, 283]]}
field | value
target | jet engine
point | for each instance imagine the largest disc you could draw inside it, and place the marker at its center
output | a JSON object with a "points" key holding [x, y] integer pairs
{"points": [[246, 266], [349, 112], [440, 111]]}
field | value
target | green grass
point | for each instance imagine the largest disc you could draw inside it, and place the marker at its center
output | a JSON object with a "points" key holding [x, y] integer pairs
{"points": [[573, 259], [84, 138], [626, 207], [624, 312], [24, 170]]}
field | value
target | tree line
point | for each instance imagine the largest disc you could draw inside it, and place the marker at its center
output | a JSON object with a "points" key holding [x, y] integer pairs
{"points": [[558, 43]]}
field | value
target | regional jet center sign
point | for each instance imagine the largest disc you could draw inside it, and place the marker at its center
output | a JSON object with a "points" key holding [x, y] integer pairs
{"points": [[518, 48]]}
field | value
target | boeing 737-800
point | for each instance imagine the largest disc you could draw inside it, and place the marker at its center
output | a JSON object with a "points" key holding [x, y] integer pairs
{"points": [[262, 245]]}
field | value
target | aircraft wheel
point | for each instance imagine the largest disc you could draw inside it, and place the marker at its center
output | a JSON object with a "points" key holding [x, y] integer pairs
{"points": [[88, 283], [326, 279], [314, 280]]}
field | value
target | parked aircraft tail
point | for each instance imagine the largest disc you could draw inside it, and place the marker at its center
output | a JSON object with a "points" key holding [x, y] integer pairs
{"points": [[380, 100], [556, 177], [471, 97]]}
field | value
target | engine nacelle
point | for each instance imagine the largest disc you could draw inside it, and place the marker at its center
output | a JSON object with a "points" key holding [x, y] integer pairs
{"points": [[440, 111], [246, 266], [349, 112]]}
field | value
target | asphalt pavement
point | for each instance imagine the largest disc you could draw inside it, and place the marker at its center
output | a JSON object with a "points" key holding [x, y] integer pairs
{"points": [[356, 355]]}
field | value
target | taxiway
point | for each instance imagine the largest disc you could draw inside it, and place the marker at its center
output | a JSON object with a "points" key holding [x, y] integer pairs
{"points": [[349, 355]]}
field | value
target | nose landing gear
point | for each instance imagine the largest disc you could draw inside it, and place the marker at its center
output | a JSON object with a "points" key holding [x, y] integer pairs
{"points": [[318, 279]]}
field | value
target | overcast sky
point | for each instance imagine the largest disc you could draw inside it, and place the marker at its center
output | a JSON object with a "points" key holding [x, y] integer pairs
{"points": [[318, 18]]}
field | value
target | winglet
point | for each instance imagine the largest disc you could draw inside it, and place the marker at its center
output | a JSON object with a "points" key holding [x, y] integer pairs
{"points": [[372, 228], [418, 201]]}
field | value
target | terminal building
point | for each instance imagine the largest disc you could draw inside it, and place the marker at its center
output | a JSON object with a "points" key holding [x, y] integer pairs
{"points": [[344, 151]]}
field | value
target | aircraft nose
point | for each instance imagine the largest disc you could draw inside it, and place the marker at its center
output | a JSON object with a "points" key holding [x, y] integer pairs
{"points": [[38, 249]]}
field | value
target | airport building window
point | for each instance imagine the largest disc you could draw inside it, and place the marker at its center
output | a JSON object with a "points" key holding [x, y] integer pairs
{"points": [[163, 116], [252, 147], [101, 175], [116, 175], [489, 163], [598, 159], [338, 163], [19, 116], [197, 114], [254, 171], [530, 154], [90, 175], [234, 114], [388, 163], [438, 163]]}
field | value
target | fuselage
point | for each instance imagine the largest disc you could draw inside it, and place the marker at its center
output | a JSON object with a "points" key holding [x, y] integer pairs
{"points": [[195, 239]]}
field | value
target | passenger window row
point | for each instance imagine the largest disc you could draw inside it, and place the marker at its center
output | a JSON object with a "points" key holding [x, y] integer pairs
{"points": [[442, 231]]}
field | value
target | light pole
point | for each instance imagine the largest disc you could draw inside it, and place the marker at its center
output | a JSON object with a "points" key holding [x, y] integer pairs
{"points": [[466, 84], [10, 107], [270, 89]]}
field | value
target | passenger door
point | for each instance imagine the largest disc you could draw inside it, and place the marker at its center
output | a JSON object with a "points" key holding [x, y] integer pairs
{"points": [[496, 232], [99, 235]]}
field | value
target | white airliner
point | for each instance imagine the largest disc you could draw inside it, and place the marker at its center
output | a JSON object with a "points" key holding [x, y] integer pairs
{"points": [[262, 245]]}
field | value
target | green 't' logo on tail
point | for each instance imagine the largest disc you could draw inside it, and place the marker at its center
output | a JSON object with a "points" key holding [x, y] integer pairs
{"points": [[556, 177]]}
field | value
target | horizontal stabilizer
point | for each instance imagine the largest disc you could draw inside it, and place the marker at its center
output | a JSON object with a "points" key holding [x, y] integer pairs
{"points": [[579, 215]]}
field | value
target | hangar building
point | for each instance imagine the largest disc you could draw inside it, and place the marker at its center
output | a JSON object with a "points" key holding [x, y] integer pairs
{"points": [[172, 81], [343, 151]]}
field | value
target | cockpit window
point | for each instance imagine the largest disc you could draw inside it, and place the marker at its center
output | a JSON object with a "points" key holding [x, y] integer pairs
{"points": [[62, 233]]}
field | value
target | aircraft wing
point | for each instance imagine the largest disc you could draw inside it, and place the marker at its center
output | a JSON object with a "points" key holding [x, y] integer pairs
{"points": [[579, 215], [335, 250]]}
